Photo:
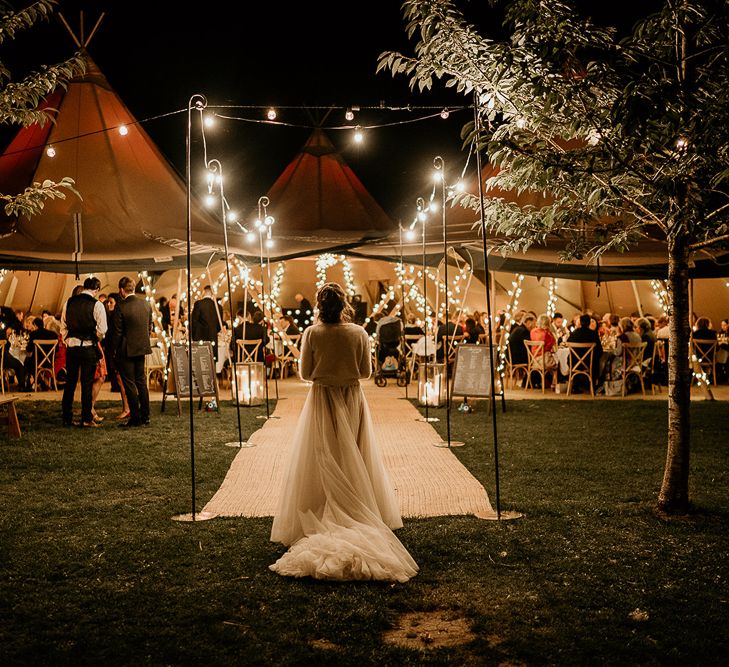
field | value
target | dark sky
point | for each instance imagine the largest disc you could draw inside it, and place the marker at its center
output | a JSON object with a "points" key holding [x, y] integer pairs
{"points": [[156, 54]]}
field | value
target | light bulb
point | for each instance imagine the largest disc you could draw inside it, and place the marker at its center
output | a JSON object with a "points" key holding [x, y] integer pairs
{"points": [[358, 136], [209, 120], [460, 187], [232, 216], [271, 114], [258, 224], [438, 176], [444, 114], [349, 114], [433, 207], [268, 220], [410, 235], [250, 237], [123, 130], [210, 201], [50, 151], [269, 243]]}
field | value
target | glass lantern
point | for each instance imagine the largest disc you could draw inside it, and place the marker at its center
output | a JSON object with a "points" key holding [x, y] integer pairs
{"points": [[431, 385], [250, 383]]}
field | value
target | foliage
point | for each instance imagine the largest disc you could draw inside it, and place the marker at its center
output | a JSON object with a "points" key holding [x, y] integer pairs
{"points": [[94, 570], [622, 138], [19, 103]]}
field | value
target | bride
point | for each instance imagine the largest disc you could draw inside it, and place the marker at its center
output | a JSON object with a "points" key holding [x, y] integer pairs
{"points": [[338, 507]]}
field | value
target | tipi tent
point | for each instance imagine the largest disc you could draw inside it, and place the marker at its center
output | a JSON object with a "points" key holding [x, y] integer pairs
{"points": [[133, 208]]}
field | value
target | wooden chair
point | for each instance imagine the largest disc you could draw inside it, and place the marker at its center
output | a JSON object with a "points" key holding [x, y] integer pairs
{"points": [[289, 355], [513, 369], [411, 361], [535, 364], [580, 363], [247, 350], [154, 365], [45, 360], [705, 352], [633, 363]]}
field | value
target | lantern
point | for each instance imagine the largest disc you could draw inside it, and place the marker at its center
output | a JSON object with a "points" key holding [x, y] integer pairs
{"points": [[431, 385], [250, 383]]}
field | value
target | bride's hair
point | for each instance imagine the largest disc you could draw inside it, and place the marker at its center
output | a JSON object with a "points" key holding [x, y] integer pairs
{"points": [[331, 301]]}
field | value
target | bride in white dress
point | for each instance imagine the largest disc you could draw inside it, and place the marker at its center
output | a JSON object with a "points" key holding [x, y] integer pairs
{"points": [[338, 506]]}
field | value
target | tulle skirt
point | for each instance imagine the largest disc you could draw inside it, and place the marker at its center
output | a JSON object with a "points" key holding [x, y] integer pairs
{"points": [[338, 506]]}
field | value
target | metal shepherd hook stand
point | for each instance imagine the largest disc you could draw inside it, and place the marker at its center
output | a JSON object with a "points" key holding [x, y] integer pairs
{"points": [[264, 224], [197, 102], [216, 169], [440, 174], [422, 216]]}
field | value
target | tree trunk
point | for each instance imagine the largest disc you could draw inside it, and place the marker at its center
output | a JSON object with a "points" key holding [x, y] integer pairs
{"points": [[674, 494]]}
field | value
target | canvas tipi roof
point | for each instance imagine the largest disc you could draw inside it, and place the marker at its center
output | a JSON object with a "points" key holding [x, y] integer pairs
{"points": [[133, 208], [319, 204]]}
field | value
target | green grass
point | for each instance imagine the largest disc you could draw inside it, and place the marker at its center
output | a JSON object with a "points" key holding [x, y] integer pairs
{"points": [[93, 570]]}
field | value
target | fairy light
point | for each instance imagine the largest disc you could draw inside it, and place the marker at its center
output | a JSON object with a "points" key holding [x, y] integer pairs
{"points": [[123, 130], [358, 135], [552, 298], [509, 321], [662, 295], [271, 113], [50, 151]]}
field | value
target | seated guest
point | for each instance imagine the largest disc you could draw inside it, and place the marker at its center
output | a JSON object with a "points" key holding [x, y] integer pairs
{"points": [[559, 328], [252, 330], [412, 328], [703, 330], [449, 329], [662, 330], [648, 336], [585, 333], [12, 363], [517, 336], [287, 325], [543, 332], [37, 333], [473, 331]]}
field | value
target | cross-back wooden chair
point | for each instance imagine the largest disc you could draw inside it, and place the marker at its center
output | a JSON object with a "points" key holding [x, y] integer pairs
{"points": [[633, 363], [45, 359], [705, 352], [290, 353], [409, 341], [535, 364], [154, 365], [580, 363], [512, 369], [247, 350]]}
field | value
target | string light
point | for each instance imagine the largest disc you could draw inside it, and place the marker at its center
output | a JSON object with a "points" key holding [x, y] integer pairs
{"points": [[444, 114], [271, 113], [552, 298], [662, 295], [50, 151], [349, 114], [123, 130], [209, 120], [358, 136]]}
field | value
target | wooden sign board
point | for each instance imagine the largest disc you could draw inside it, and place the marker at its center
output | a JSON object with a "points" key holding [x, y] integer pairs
{"points": [[204, 380], [473, 371]]}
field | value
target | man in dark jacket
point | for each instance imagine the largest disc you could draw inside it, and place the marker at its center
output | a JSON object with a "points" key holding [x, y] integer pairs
{"points": [[205, 322], [131, 328], [586, 334], [83, 324], [517, 336], [253, 331]]}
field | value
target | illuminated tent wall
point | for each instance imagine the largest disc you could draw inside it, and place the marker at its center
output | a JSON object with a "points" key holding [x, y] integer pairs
{"points": [[133, 208]]}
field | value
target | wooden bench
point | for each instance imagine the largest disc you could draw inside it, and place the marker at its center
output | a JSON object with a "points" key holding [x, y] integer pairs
{"points": [[11, 416]]}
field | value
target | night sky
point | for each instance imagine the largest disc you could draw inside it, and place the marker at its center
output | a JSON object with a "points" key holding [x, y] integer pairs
{"points": [[157, 54]]}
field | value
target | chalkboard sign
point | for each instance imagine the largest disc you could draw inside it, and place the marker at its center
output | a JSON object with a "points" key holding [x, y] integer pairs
{"points": [[472, 373], [204, 380]]}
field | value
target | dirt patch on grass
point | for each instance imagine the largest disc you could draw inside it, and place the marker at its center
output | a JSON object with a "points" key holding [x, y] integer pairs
{"points": [[429, 630]]}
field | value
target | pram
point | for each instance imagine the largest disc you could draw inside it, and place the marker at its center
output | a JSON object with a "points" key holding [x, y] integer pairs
{"points": [[389, 358]]}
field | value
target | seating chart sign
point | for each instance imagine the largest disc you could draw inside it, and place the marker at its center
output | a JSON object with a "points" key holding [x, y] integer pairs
{"points": [[473, 371], [204, 379]]}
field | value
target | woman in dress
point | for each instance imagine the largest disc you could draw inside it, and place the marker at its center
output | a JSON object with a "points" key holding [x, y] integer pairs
{"points": [[338, 507]]}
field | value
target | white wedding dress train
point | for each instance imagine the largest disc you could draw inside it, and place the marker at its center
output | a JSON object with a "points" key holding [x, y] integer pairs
{"points": [[338, 506]]}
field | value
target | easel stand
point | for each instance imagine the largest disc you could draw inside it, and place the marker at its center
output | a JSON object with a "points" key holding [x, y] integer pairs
{"points": [[204, 380]]}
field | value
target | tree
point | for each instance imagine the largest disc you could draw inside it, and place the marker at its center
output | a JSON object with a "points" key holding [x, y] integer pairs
{"points": [[628, 137], [19, 104]]}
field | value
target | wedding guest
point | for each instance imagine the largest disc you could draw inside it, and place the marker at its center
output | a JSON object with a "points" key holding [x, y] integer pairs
{"points": [[12, 363], [131, 327], [287, 325], [473, 331], [83, 324], [449, 329], [254, 329], [206, 320], [647, 336], [704, 330], [517, 336], [412, 328], [559, 328], [585, 333], [338, 508], [37, 333], [112, 372], [543, 331]]}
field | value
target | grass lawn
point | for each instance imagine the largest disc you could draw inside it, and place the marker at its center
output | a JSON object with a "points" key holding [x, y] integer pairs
{"points": [[93, 570]]}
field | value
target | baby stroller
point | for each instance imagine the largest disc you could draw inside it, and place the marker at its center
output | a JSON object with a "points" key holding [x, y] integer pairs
{"points": [[389, 359]]}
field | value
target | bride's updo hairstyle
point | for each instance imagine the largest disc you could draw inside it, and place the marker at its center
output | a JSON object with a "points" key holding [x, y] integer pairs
{"points": [[332, 304]]}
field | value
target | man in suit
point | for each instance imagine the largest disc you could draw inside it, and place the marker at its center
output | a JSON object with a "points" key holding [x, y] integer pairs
{"points": [[83, 324], [253, 330], [131, 327], [586, 334], [517, 336], [205, 321]]}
